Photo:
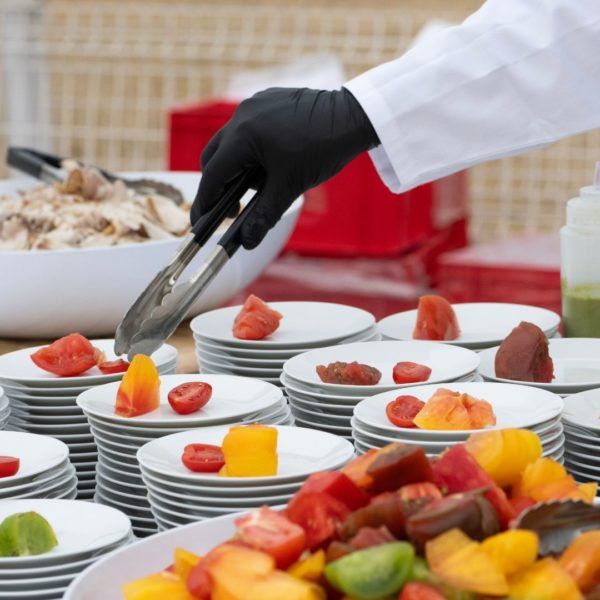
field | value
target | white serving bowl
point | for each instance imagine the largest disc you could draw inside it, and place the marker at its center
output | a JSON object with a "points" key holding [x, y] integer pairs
{"points": [[50, 293]]}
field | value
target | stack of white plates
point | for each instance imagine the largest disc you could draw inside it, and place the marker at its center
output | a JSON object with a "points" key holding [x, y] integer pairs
{"points": [[329, 407], [4, 409], [44, 403], [482, 324], [305, 325], [85, 532], [514, 406], [581, 420], [119, 481], [44, 469], [576, 366], [178, 496]]}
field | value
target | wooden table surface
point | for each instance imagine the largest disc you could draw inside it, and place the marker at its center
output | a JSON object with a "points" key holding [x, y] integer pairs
{"points": [[182, 340]]}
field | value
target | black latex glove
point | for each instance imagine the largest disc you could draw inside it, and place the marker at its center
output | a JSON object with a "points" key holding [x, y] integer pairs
{"points": [[294, 138]]}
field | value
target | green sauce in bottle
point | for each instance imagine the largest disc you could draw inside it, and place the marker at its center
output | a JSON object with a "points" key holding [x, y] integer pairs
{"points": [[581, 310]]}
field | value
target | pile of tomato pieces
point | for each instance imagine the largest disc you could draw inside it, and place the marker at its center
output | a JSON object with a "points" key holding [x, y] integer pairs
{"points": [[393, 524]]}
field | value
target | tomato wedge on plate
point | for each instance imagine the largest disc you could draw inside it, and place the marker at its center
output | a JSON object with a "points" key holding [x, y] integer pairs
{"points": [[108, 367], [203, 458], [67, 357], [274, 534], [403, 410], [436, 320], [187, 398], [9, 466], [410, 372]]}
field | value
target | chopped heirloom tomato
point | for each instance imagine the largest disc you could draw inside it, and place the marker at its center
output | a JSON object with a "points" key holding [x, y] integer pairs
{"points": [[139, 391], [420, 591], [469, 512], [524, 355], [338, 485], [67, 357], [386, 510], [189, 397], [337, 549], [9, 466], [544, 580], [271, 532], [108, 367], [504, 454], [256, 320], [310, 567], [449, 410], [581, 560], [184, 562], [356, 469], [203, 458], [460, 562], [353, 373], [372, 573], [397, 465], [521, 504], [457, 471], [412, 491], [512, 550], [401, 411], [250, 451], [160, 585], [318, 514], [436, 320], [367, 537], [410, 372]]}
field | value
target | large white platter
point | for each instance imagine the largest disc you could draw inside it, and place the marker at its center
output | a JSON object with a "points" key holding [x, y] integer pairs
{"points": [[514, 406], [110, 279], [82, 528], [447, 363], [482, 324], [37, 454], [104, 580], [576, 365], [303, 324], [300, 451], [232, 398]]}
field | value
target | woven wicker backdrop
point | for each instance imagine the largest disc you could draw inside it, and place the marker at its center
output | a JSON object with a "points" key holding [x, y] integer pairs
{"points": [[115, 66]]}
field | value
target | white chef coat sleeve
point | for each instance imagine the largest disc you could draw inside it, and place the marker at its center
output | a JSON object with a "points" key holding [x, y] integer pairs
{"points": [[516, 75]]}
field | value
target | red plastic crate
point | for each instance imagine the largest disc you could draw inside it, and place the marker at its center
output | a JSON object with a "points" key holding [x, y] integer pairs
{"points": [[521, 270], [352, 214]]}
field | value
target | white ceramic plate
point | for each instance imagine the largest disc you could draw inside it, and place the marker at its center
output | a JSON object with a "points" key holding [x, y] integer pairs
{"points": [[576, 365], [37, 454], [583, 410], [82, 529], [447, 363], [232, 398], [217, 357], [235, 370], [300, 451], [482, 324], [303, 324], [514, 406], [18, 367], [591, 459]]}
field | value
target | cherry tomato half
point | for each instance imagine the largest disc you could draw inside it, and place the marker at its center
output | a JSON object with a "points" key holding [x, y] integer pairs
{"points": [[203, 458], [189, 397], [403, 410], [67, 357], [109, 367], [416, 590], [410, 372], [9, 466]]}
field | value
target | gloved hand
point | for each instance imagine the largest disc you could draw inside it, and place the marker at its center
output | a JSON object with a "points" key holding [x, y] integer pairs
{"points": [[294, 138]]}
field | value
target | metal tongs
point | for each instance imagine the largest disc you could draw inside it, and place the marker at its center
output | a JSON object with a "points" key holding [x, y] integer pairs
{"points": [[48, 168], [155, 315]]}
